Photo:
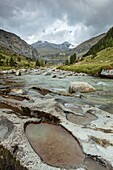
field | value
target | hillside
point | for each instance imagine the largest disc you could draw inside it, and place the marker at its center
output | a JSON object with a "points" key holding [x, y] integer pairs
{"points": [[93, 65], [10, 59], [100, 56], [15, 44], [105, 42], [83, 48]]}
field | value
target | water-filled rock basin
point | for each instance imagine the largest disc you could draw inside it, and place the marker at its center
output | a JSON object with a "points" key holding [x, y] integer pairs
{"points": [[55, 145], [85, 119]]}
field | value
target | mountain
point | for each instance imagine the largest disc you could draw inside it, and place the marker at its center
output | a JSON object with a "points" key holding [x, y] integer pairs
{"points": [[47, 48], [84, 47], [15, 44], [103, 43], [40, 44]]}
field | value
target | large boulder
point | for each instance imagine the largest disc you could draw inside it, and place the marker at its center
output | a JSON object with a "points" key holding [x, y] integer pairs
{"points": [[80, 87], [107, 73]]}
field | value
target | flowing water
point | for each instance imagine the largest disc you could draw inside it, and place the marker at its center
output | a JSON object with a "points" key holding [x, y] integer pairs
{"points": [[103, 97]]}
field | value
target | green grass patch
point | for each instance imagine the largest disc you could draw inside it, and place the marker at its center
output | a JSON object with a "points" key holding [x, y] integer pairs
{"points": [[93, 65], [17, 61], [91, 69]]}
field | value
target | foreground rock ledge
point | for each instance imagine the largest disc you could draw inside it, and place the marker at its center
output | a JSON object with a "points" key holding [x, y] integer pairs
{"points": [[96, 139]]}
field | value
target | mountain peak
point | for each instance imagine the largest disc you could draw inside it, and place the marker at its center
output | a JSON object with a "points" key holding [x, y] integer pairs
{"points": [[48, 46]]}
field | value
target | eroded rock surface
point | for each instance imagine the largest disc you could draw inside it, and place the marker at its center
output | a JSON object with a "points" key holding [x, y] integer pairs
{"points": [[64, 121]]}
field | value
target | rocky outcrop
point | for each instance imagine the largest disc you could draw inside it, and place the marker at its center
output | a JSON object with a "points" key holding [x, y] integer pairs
{"points": [[80, 87], [17, 45], [107, 73]]}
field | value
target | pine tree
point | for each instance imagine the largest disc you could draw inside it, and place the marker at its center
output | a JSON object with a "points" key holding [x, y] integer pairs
{"points": [[11, 62], [73, 58], [37, 63]]}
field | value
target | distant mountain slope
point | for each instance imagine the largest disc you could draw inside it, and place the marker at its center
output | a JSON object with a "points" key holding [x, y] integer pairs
{"points": [[105, 42], [83, 48], [15, 44], [47, 48]]}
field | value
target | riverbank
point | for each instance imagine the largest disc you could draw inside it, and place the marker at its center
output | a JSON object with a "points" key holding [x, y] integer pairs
{"points": [[93, 64]]}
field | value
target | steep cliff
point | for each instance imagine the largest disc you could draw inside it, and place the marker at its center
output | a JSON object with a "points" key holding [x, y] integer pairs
{"points": [[15, 44]]}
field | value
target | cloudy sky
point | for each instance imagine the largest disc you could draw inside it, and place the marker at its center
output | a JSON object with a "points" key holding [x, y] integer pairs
{"points": [[56, 20]]}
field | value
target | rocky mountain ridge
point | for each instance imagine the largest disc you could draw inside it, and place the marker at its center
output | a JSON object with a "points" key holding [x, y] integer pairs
{"points": [[46, 48], [103, 43], [14, 43], [63, 46], [84, 47]]}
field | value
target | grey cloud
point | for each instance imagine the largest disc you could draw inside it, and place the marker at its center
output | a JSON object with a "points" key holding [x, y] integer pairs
{"points": [[26, 17]]}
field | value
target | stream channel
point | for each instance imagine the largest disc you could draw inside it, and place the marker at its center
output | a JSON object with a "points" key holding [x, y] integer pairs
{"points": [[55, 145]]}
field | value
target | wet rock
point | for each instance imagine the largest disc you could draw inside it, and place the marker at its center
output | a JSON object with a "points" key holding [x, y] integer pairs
{"points": [[61, 76], [80, 87], [15, 97], [5, 90], [17, 91], [42, 91], [54, 76], [107, 73], [23, 70], [8, 71], [47, 73], [18, 73]]}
